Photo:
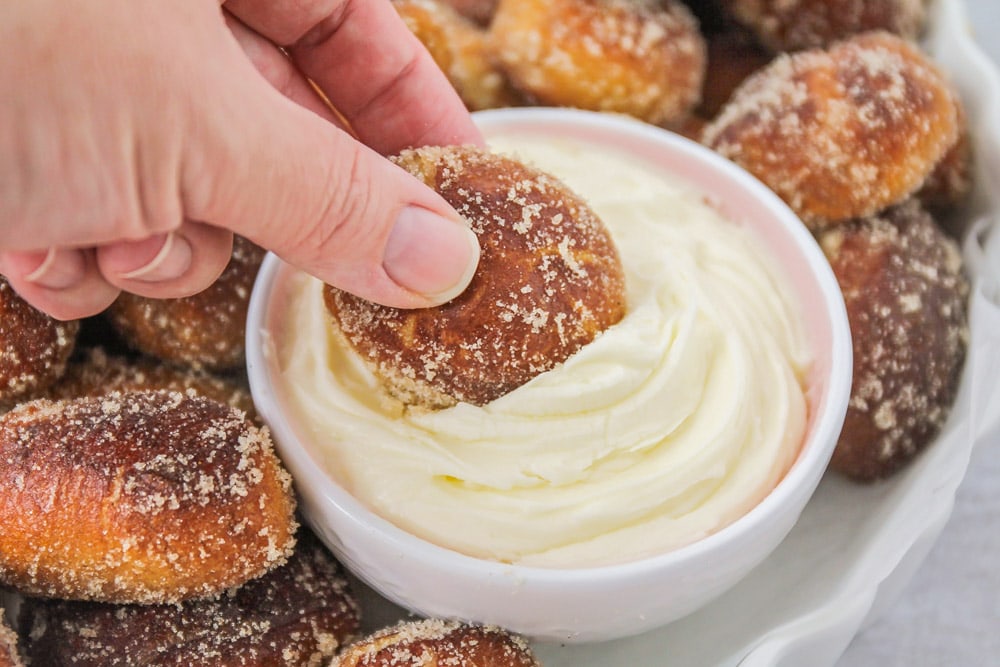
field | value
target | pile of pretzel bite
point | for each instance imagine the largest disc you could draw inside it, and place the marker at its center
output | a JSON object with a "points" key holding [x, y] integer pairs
{"points": [[146, 518]]}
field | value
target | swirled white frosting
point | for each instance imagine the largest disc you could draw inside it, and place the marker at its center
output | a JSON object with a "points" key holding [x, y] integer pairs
{"points": [[671, 425]]}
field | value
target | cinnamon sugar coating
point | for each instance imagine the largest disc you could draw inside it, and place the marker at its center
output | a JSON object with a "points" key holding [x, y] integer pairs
{"points": [[205, 330], [9, 655], [138, 497], [298, 615], [34, 347], [644, 58], [905, 292], [792, 25], [460, 49], [431, 643], [549, 281], [96, 373], [842, 133]]}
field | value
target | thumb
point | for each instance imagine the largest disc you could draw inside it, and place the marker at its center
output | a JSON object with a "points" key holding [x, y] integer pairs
{"points": [[299, 186]]}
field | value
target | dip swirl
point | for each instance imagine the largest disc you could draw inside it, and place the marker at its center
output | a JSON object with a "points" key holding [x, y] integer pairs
{"points": [[669, 426]]}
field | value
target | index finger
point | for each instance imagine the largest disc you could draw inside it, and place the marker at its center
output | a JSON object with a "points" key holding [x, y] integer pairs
{"points": [[369, 65]]}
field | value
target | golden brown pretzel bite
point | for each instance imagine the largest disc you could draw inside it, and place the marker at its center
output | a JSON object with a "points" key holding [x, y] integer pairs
{"points": [[34, 348], [905, 293], [205, 330], [791, 25], [297, 615], [138, 497], [638, 57], [549, 281]]}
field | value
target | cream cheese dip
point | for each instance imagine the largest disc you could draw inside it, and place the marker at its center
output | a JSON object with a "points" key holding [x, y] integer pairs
{"points": [[669, 426]]}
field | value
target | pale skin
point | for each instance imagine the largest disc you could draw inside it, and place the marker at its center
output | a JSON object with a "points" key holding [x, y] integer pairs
{"points": [[136, 136]]}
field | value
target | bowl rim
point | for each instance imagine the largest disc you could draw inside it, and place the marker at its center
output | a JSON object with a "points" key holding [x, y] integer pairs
{"points": [[803, 475]]}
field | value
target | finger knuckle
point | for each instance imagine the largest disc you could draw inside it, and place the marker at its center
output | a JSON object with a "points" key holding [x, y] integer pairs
{"points": [[347, 214]]}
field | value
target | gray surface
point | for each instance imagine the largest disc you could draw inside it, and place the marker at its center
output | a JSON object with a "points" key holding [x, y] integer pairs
{"points": [[949, 615]]}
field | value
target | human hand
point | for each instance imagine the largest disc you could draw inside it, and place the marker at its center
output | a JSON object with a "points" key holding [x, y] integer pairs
{"points": [[137, 135]]}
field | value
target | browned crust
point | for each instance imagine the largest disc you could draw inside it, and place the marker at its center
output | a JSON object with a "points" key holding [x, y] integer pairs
{"points": [[298, 615], [34, 347], [205, 330], [792, 25], [638, 57], [438, 642], [549, 281], [905, 293], [844, 133], [139, 497]]}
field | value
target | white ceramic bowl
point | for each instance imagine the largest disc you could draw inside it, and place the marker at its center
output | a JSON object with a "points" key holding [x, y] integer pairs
{"points": [[596, 603]]}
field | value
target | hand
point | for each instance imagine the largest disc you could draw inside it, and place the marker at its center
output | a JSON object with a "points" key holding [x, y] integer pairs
{"points": [[137, 135]]}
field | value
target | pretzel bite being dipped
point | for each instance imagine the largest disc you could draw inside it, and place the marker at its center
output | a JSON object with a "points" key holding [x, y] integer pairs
{"points": [[297, 615], [138, 497], [549, 281], [643, 58], [905, 294], [435, 642], [791, 25], [205, 330], [34, 348], [843, 133]]}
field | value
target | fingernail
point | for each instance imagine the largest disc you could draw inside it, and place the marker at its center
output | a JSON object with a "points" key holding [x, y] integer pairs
{"points": [[431, 255], [171, 260], [57, 269]]}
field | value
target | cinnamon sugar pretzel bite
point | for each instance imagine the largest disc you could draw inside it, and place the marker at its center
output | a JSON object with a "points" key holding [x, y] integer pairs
{"points": [[203, 331], [297, 615], [549, 281], [792, 25], [842, 133], [905, 293], [138, 497], [643, 58], [34, 348]]}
